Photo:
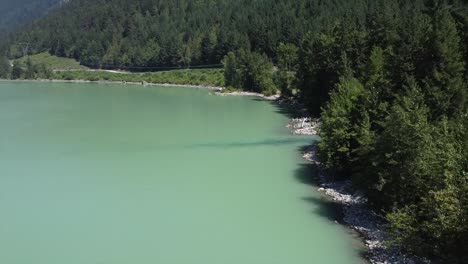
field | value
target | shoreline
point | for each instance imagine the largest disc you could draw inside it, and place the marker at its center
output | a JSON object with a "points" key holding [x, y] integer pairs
{"points": [[244, 93], [208, 87], [356, 213], [219, 91]]}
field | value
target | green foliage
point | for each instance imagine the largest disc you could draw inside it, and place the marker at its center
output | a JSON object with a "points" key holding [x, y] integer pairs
{"points": [[436, 224], [337, 130], [325, 57], [376, 73], [151, 33], [232, 76], [399, 151], [259, 73], [52, 62], [29, 73], [402, 135], [14, 14], [208, 77], [250, 71], [17, 72], [447, 89], [287, 55], [5, 68]]}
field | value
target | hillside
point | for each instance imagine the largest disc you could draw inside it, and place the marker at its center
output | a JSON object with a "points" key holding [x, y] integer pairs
{"points": [[150, 33], [52, 62], [14, 14]]}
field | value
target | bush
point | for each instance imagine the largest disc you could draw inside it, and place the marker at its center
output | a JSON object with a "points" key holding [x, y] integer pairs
{"points": [[250, 71]]}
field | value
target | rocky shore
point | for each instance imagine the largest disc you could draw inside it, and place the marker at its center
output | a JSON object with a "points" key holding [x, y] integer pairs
{"points": [[304, 126], [356, 213]]}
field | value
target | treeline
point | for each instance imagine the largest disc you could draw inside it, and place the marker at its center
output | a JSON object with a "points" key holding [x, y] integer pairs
{"points": [[31, 69], [393, 96], [255, 72], [389, 79], [26, 70], [151, 33], [392, 92]]}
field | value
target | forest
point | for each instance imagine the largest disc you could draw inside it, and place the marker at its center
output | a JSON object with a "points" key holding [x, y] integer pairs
{"points": [[21, 12], [388, 78]]}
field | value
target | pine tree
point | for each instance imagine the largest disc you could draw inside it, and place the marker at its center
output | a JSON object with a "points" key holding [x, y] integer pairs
{"points": [[30, 70], [447, 90], [403, 142], [5, 68], [337, 133], [208, 47], [17, 71], [287, 61], [230, 70]]}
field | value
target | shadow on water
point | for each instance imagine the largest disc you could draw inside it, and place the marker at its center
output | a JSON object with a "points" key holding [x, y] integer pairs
{"points": [[322, 205], [285, 109], [258, 143], [307, 173]]}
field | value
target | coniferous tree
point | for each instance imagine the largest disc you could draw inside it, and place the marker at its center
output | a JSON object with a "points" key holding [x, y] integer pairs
{"points": [[17, 72], [231, 78], [337, 129], [30, 71], [287, 62], [447, 90], [5, 68]]}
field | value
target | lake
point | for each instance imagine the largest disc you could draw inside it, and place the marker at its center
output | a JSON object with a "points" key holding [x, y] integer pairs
{"points": [[110, 173]]}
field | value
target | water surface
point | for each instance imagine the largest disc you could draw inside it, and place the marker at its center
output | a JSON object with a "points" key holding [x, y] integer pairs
{"points": [[107, 173]]}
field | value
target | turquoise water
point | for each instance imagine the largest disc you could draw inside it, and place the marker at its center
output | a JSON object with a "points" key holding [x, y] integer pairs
{"points": [[107, 173]]}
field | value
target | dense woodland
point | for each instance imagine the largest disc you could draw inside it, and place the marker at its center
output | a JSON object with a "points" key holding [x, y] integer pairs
{"points": [[389, 79], [14, 14]]}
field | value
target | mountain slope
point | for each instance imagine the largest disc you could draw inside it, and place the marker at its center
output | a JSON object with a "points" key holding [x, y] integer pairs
{"points": [[151, 33], [15, 13]]}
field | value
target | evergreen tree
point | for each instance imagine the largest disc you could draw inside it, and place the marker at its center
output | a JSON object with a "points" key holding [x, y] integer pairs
{"points": [[439, 216], [5, 68], [208, 46], [446, 87], [403, 142], [250, 71], [30, 70], [287, 67], [337, 130], [231, 78], [17, 71]]}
